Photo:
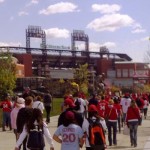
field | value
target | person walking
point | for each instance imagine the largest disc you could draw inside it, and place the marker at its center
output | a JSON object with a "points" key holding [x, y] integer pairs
{"points": [[112, 115], [125, 103], [132, 117], [119, 111], [23, 116], [71, 134], [93, 116], [35, 120], [47, 100], [37, 103], [69, 105], [6, 106], [82, 105], [145, 107], [18, 105]]}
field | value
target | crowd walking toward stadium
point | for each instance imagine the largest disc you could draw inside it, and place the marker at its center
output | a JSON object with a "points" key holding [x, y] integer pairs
{"points": [[93, 122]]}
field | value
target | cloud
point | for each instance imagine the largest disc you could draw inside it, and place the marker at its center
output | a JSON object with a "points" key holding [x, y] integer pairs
{"points": [[1, 1], [105, 8], [111, 22], [137, 28], [62, 7], [23, 13], [109, 44], [10, 44], [57, 33], [32, 2], [96, 46], [139, 31]]}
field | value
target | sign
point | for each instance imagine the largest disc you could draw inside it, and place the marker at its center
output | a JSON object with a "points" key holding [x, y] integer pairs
{"points": [[56, 47], [61, 74]]}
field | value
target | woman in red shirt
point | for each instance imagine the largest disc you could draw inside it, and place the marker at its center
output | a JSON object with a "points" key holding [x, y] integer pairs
{"points": [[132, 117], [119, 110], [111, 114]]}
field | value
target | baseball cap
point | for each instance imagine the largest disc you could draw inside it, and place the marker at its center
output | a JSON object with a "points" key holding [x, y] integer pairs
{"points": [[69, 102], [20, 100], [92, 108], [69, 115]]}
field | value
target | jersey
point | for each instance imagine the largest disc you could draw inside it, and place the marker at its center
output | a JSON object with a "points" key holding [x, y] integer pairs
{"points": [[6, 106], [125, 103], [70, 136], [101, 107]]}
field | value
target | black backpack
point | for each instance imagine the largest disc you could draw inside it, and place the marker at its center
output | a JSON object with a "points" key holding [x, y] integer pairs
{"points": [[77, 103], [48, 99], [96, 134], [138, 102], [36, 139]]}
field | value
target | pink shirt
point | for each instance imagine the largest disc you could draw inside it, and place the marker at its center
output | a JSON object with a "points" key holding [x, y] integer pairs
{"points": [[13, 116]]}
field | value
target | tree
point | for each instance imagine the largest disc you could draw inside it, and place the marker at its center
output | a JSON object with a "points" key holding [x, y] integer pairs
{"points": [[81, 78], [7, 73]]}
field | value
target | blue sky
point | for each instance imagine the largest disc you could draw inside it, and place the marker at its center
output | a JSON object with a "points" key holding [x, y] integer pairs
{"points": [[122, 26]]}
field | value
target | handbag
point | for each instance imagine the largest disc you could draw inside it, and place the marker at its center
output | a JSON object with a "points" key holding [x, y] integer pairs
{"points": [[126, 130]]}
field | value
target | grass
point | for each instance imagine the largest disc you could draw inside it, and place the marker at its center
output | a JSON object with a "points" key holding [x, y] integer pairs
{"points": [[56, 108]]}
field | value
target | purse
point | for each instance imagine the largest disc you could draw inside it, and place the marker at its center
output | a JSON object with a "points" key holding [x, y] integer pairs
{"points": [[126, 130]]}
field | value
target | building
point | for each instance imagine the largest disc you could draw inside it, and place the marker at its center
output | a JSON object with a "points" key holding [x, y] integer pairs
{"points": [[128, 74]]}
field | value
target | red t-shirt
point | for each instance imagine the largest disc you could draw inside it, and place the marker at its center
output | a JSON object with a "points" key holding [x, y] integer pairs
{"points": [[6, 106]]}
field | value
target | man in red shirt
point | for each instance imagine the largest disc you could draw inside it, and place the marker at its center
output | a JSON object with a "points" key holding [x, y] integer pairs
{"points": [[6, 106], [102, 104]]}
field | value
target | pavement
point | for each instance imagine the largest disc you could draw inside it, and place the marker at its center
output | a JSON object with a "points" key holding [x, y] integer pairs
{"points": [[7, 139]]}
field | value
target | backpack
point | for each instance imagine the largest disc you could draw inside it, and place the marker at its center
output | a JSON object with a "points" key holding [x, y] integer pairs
{"points": [[96, 134], [47, 99], [36, 139], [138, 102], [77, 103]]}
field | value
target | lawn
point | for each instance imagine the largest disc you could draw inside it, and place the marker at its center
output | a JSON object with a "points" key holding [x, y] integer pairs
{"points": [[56, 109]]}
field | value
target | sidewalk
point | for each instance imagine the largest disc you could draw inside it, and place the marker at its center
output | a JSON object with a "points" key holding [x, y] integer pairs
{"points": [[7, 139]]}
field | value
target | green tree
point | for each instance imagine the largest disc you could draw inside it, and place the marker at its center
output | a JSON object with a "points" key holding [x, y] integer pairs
{"points": [[81, 78], [7, 73]]}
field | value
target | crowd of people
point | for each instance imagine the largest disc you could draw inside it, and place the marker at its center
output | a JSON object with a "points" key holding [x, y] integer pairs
{"points": [[114, 113], [77, 116]]}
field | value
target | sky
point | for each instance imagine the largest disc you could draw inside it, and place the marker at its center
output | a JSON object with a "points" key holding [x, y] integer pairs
{"points": [[122, 26]]}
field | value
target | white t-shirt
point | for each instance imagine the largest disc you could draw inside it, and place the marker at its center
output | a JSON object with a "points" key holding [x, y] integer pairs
{"points": [[70, 136], [146, 104], [82, 105], [38, 104], [125, 102]]}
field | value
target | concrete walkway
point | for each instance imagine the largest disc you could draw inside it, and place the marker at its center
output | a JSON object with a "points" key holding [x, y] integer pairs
{"points": [[7, 139]]}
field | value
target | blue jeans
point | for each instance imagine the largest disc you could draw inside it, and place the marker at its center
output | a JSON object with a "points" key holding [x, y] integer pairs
{"points": [[6, 118], [110, 126], [119, 123], [133, 126]]}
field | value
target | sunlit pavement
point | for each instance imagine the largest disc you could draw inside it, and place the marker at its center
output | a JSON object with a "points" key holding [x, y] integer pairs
{"points": [[7, 139]]}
